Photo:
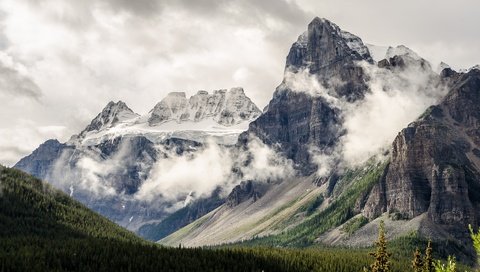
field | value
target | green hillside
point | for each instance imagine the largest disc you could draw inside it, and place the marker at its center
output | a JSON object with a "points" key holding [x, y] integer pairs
{"points": [[42, 229], [30, 207]]}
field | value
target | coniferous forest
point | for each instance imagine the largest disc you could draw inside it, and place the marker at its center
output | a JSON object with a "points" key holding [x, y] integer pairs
{"points": [[43, 229]]}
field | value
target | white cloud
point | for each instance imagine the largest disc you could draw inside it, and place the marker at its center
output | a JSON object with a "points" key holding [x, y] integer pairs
{"points": [[304, 81], [264, 163], [179, 175], [28, 134], [394, 100]]}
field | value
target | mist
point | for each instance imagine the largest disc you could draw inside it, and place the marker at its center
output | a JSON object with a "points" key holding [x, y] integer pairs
{"points": [[395, 99]]}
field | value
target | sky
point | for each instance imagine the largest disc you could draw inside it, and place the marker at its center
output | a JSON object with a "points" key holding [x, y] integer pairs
{"points": [[62, 61]]}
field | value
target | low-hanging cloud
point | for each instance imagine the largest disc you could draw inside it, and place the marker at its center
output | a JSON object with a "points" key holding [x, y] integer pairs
{"points": [[179, 175], [306, 82], [181, 178], [87, 171], [264, 162], [173, 180], [395, 98]]}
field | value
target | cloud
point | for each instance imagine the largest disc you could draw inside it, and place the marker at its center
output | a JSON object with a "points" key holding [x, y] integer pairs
{"points": [[264, 163], [304, 81], [171, 181], [179, 175], [15, 81], [29, 134], [395, 99]]}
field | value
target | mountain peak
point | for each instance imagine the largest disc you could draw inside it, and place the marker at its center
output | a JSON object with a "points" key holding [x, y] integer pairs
{"points": [[324, 44], [318, 20], [226, 107], [111, 114], [401, 50]]}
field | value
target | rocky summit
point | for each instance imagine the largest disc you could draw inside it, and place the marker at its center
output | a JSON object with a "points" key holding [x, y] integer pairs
{"points": [[297, 120]]}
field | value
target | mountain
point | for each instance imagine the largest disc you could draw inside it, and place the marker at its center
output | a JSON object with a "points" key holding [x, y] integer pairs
{"points": [[294, 118], [221, 115], [423, 184], [106, 164]]}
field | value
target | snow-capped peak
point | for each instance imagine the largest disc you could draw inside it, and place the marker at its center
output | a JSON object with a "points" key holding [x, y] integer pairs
{"points": [[401, 50], [221, 115], [225, 107], [112, 114]]}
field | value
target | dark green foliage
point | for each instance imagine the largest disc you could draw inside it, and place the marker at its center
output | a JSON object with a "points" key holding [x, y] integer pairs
{"points": [[42, 229], [29, 207]]}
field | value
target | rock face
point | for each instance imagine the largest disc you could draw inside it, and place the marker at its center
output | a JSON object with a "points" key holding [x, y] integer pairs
{"points": [[244, 191], [224, 107], [297, 120], [330, 53], [41, 161], [434, 168]]}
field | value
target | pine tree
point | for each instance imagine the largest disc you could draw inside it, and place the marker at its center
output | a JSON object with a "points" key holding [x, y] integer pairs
{"points": [[417, 263], [428, 261], [381, 263], [476, 242]]}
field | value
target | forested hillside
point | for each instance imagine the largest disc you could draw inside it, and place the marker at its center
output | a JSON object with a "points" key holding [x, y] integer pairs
{"points": [[42, 229]]}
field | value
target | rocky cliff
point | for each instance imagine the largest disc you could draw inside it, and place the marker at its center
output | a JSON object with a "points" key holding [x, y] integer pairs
{"points": [[297, 120], [434, 166]]}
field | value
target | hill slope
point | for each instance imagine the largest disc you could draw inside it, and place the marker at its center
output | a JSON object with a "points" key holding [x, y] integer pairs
{"points": [[30, 207], [42, 229]]}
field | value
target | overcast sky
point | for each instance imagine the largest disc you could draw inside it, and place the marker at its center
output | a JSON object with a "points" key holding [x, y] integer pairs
{"points": [[62, 61]]}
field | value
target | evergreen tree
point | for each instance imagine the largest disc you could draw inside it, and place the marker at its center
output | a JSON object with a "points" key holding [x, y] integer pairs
{"points": [[428, 261], [381, 263], [417, 263], [476, 242]]}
